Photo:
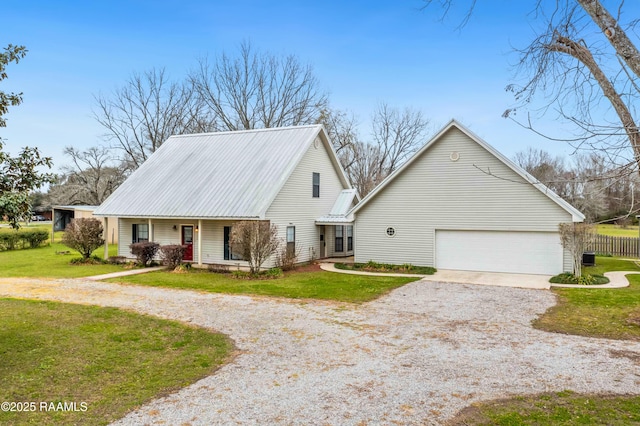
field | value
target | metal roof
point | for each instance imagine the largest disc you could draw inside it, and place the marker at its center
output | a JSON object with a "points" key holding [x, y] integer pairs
{"points": [[577, 216], [78, 207], [341, 207], [215, 175]]}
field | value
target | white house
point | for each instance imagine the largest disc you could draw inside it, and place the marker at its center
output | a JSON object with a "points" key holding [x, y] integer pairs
{"points": [[195, 187], [459, 204]]}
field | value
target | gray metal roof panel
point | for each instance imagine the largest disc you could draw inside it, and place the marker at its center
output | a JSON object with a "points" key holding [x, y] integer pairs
{"points": [[213, 175]]}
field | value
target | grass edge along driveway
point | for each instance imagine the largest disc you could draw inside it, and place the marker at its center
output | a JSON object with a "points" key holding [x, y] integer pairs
{"points": [[111, 359], [320, 285], [597, 312]]}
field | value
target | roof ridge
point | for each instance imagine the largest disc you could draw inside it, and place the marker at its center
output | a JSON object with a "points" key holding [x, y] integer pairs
{"points": [[264, 129]]}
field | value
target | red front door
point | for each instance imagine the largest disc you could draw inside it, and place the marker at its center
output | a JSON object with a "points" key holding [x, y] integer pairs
{"points": [[187, 241]]}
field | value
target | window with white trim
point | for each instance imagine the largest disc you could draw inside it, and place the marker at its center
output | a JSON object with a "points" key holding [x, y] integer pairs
{"points": [[339, 246], [291, 240], [140, 232], [316, 185], [350, 238]]}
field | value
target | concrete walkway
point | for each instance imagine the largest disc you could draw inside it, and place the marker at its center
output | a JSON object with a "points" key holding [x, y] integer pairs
{"points": [[463, 277], [124, 273]]}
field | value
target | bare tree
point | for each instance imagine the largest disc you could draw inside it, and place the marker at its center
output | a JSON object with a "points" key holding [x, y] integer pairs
{"points": [[255, 241], [577, 238], [582, 54], [398, 134], [395, 135], [92, 176], [142, 114], [258, 90]]}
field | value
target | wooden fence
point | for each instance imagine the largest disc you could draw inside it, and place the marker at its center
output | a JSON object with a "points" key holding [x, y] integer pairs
{"points": [[616, 246]]}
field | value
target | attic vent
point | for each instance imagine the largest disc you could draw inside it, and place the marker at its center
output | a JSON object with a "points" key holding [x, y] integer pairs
{"points": [[455, 156], [316, 143]]}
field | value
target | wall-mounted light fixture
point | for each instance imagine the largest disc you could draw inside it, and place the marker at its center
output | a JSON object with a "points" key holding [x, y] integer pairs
{"points": [[196, 228], [175, 228]]}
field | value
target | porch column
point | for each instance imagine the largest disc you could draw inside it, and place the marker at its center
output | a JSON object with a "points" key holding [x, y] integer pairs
{"points": [[106, 240], [53, 223], [199, 242], [150, 231]]}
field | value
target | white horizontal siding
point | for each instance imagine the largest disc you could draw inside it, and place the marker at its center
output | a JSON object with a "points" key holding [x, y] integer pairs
{"points": [[477, 192], [295, 205]]}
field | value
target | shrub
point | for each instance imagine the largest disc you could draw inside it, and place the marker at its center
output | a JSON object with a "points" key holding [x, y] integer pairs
{"points": [[172, 255], [286, 259], [569, 278], [93, 260], [9, 240], [144, 252], [83, 235], [35, 238]]}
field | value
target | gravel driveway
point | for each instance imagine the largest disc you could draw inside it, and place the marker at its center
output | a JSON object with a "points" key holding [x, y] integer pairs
{"points": [[416, 356]]}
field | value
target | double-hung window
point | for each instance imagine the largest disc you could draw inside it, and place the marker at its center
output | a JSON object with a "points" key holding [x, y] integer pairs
{"points": [[339, 247], [140, 232], [228, 252], [350, 238], [291, 240], [316, 185]]}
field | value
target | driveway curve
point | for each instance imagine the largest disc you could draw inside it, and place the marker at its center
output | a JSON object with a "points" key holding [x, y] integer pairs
{"points": [[415, 356]]}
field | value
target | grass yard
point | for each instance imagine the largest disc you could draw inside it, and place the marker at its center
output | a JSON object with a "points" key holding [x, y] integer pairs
{"points": [[110, 359], [44, 262], [565, 408], [296, 285], [617, 231], [609, 313]]}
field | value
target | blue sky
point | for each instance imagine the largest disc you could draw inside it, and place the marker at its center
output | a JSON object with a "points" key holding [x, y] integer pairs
{"points": [[363, 52]]}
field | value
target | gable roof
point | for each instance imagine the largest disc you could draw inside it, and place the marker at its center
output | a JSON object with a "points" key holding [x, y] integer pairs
{"points": [[576, 215], [339, 211], [216, 175]]}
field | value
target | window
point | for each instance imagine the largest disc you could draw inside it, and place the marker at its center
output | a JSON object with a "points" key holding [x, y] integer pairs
{"points": [[140, 232], [228, 253], [291, 240], [316, 185], [391, 232], [339, 239], [349, 238]]}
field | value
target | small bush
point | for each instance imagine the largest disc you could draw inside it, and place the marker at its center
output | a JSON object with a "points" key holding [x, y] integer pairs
{"points": [[172, 255], [93, 260], [262, 275], [35, 238], [286, 259], [84, 235], [144, 252], [9, 240], [569, 278]]}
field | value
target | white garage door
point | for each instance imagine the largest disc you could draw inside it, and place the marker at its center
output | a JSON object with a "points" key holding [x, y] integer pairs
{"points": [[499, 251]]}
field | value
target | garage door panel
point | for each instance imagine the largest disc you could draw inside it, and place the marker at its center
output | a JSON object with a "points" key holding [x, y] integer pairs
{"points": [[499, 251]]}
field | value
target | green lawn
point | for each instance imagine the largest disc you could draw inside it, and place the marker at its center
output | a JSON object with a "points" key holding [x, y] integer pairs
{"points": [[44, 262], [296, 285], [110, 359], [597, 312], [616, 231], [559, 408]]}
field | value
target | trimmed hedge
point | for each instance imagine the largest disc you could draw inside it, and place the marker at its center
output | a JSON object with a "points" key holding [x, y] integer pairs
{"points": [[22, 239]]}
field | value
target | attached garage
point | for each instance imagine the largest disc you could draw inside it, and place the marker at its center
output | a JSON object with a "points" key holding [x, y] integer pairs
{"points": [[460, 204], [499, 251]]}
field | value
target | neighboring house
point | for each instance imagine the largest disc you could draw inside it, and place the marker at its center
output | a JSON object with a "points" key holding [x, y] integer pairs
{"points": [[62, 216], [195, 187], [459, 204]]}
